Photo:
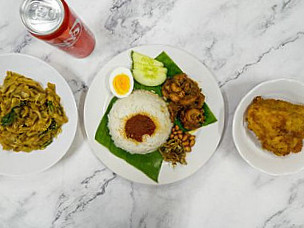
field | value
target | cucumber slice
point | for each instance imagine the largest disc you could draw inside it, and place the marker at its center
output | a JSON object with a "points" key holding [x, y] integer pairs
{"points": [[140, 58], [149, 78], [143, 67], [147, 71]]}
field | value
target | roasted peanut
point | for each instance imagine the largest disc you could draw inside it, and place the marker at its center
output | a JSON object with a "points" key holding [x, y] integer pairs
{"points": [[185, 137], [187, 149], [192, 142]]}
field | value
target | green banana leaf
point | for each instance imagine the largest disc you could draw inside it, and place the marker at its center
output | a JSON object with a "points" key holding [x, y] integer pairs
{"points": [[149, 164]]}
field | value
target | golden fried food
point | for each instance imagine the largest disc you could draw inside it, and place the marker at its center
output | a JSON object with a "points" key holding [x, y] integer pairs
{"points": [[30, 116], [192, 118], [186, 100], [279, 125]]}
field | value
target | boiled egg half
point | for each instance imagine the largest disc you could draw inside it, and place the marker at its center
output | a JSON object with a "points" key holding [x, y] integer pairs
{"points": [[121, 82]]}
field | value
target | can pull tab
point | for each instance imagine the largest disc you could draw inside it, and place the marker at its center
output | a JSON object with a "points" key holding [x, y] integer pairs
{"points": [[41, 12]]}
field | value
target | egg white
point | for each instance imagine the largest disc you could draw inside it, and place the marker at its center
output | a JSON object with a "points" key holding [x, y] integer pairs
{"points": [[117, 71]]}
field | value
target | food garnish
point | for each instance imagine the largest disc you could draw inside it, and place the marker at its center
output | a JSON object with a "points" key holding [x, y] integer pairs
{"points": [[279, 125], [31, 117], [121, 82], [174, 152], [175, 149], [185, 101], [148, 71], [187, 139]]}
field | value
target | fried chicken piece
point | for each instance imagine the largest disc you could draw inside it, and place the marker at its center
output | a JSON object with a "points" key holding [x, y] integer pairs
{"points": [[192, 118], [174, 109], [199, 102], [279, 125], [181, 90], [185, 100]]}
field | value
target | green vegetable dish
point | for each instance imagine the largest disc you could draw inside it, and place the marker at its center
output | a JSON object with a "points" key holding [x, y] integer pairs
{"points": [[162, 80]]}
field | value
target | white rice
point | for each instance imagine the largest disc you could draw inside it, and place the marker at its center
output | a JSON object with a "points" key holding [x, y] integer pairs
{"points": [[139, 102]]}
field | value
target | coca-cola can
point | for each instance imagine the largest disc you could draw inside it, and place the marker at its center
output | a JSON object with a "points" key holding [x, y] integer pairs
{"points": [[55, 23]]}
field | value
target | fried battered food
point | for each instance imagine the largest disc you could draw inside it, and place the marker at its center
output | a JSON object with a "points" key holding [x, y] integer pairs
{"points": [[186, 100], [279, 125]]}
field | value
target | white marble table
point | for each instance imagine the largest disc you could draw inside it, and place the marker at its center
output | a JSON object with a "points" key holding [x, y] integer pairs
{"points": [[243, 42]]}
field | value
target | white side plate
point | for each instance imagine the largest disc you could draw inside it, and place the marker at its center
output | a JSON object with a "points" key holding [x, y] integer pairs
{"points": [[246, 142], [21, 163]]}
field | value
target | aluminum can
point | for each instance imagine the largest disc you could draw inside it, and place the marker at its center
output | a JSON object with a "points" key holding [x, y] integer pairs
{"points": [[55, 23]]}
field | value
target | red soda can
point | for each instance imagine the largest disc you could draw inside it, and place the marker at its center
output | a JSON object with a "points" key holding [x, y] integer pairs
{"points": [[55, 23]]}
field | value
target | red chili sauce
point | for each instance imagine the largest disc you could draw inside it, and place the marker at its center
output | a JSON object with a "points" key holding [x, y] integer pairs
{"points": [[138, 126]]}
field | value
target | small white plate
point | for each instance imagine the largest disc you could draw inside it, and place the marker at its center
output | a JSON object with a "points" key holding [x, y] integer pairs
{"points": [[246, 142], [22, 163], [208, 137]]}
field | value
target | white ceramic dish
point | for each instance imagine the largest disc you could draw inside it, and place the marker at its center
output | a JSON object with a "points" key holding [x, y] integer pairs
{"points": [[246, 142], [208, 137], [21, 163]]}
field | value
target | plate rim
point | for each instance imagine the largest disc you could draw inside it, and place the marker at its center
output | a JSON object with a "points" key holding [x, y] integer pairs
{"points": [[237, 110], [210, 76], [73, 104]]}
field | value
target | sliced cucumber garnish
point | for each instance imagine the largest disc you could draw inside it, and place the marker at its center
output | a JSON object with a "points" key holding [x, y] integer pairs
{"points": [[149, 78], [147, 71], [140, 58], [140, 66]]}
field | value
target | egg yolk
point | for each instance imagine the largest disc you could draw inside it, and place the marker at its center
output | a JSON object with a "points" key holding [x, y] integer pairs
{"points": [[121, 84]]}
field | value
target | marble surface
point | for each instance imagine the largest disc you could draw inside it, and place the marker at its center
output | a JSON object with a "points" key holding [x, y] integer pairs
{"points": [[243, 42]]}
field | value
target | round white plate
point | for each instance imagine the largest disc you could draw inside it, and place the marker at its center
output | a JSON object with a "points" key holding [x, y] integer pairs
{"points": [[21, 163], [246, 142], [208, 137]]}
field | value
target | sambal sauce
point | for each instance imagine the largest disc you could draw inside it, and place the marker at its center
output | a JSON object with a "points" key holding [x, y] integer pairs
{"points": [[138, 126]]}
